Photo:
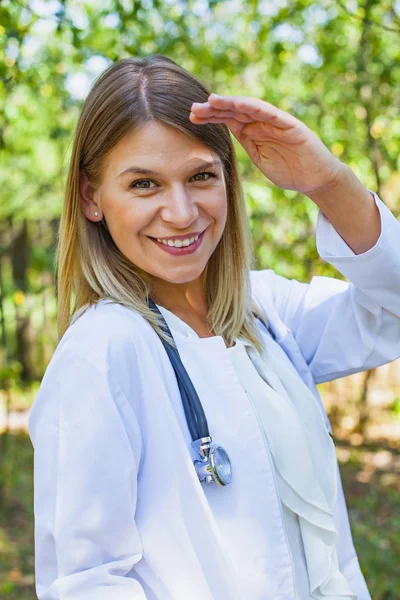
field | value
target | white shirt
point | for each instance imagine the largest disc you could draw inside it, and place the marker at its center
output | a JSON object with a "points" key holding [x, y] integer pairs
{"points": [[119, 510]]}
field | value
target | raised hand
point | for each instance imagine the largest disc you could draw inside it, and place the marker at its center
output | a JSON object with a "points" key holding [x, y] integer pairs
{"points": [[285, 150]]}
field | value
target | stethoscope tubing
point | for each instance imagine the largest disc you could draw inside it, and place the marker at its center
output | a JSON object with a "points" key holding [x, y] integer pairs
{"points": [[195, 416]]}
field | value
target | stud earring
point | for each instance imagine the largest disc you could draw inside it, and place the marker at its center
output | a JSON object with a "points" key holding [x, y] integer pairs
{"points": [[96, 214]]}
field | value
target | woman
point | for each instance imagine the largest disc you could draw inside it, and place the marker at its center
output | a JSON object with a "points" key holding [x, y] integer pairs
{"points": [[120, 510]]}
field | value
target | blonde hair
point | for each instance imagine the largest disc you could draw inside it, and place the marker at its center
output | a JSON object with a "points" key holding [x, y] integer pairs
{"points": [[129, 93]]}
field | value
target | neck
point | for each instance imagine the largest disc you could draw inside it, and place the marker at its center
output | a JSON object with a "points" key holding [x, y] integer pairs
{"points": [[187, 298]]}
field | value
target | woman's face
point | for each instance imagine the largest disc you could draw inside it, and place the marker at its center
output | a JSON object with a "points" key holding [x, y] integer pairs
{"points": [[177, 200]]}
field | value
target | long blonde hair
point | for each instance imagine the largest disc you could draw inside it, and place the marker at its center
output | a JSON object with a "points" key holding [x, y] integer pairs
{"points": [[129, 93]]}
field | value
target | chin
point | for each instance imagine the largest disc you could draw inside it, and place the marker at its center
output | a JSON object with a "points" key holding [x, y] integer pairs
{"points": [[179, 278]]}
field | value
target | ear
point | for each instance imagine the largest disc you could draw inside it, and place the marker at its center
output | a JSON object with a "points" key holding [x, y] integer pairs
{"points": [[88, 200]]}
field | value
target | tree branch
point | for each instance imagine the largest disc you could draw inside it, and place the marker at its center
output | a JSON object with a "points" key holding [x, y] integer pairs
{"points": [[366, 20]]}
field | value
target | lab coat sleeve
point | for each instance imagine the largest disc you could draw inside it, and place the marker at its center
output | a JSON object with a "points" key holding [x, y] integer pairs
{"points": [[85, 484], [343, 327]]}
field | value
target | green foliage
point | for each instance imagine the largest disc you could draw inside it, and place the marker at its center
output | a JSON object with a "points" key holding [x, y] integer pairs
{"points": [[335, 67], [395, 409], [9, 374], [373, 511], [16, 520]]}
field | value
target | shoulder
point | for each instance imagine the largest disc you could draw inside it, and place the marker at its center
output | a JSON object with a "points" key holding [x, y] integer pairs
{"points": [[107, 349], [274, 292], [266, 285], [106, 333], [96, 366], [264, 278]]}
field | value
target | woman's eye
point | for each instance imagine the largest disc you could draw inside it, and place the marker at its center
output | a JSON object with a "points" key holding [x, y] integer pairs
{"points": [[135, 184], [206, 173]]}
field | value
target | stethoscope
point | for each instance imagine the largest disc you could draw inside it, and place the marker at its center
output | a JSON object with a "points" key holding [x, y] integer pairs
{"points": [[213, 463]]}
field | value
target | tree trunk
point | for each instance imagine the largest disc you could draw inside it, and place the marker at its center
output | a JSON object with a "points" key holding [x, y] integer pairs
{"points": [[20, 256]]}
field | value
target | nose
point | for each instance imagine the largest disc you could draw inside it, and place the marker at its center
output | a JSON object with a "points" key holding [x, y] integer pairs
{"points": [[180, 209]]}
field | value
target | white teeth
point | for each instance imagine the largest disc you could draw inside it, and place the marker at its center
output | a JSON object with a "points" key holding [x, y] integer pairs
{"points": [[178, 243]]}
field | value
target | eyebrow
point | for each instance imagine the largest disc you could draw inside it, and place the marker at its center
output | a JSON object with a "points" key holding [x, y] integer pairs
{"points": [[204, 165]]}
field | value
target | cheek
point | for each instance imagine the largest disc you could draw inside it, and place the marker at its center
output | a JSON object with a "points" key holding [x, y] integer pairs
{"points": [[219, 210], [215, 201], [126, 220]]}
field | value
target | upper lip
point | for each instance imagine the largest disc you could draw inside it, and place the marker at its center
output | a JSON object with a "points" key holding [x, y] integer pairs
{"points": [[180, 237]]}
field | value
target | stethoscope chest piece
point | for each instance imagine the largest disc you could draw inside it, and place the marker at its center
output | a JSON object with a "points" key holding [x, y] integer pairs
{"points": [[214, 463]]}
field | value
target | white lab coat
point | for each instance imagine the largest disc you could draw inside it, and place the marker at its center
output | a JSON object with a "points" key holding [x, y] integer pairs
{"points": [[119, 510]]}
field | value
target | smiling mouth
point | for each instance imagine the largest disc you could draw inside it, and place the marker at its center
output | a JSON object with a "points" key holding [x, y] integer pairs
{"points": [[188, 237], [180, 250]]}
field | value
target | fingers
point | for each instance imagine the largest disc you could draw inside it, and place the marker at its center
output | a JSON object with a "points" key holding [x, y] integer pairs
{"points": [[244, 109], [220, 117], [231, 123], [235, 126], [205, 110]]}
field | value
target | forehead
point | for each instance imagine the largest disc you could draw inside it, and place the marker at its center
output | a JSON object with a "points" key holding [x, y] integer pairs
{"points": [[157, 146]]}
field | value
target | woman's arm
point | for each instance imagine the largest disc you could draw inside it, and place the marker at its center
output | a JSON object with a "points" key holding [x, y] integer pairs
{"points": [[351, 209], [343, 327], [85, 484]]}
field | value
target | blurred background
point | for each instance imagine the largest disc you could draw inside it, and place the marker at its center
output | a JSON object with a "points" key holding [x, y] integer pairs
{"points": [[333, 64]]}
